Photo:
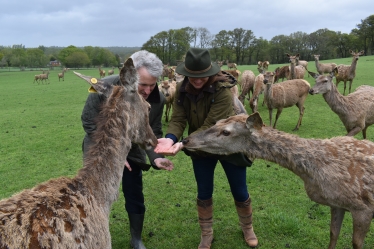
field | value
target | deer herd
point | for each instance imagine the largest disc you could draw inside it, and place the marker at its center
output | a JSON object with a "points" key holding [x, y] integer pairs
{"points": [[337, 172]]}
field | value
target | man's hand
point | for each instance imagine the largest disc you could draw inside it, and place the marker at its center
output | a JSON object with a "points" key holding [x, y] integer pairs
{"points": [[127, 165], [164, 163]]}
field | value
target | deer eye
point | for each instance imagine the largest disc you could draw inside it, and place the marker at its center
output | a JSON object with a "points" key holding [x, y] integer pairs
{"points": [[225, 133]]}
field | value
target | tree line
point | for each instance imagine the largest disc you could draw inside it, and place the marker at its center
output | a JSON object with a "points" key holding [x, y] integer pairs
{"points": [[71, 56], [244, 48], [239, 45]]}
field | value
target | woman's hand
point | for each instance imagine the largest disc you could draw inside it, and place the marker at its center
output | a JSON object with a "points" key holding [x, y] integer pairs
{"points": [[165, 147]]}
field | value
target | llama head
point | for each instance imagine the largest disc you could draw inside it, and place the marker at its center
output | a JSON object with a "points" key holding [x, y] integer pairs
{"points": [[124, 106]]}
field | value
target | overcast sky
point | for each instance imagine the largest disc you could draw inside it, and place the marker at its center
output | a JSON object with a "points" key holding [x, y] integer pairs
{"points": [[132, 23]]}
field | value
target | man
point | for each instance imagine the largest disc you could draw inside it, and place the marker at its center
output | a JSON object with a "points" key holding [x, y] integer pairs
{"points": [[149, 68]]}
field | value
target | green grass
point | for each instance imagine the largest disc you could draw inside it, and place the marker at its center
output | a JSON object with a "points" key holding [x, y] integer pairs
{"points": [[41, 136]]}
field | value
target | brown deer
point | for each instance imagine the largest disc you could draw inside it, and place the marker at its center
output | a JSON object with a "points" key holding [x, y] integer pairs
{"points": [[337, 172], [262, 65], [102, 72], [111, 72], [323, 67], [285, 94], [44, 77], [348, 72], [356, 110], [168, 88], [74, 212], [61, 75], [247, 84], [296, 71], [230, 65]]}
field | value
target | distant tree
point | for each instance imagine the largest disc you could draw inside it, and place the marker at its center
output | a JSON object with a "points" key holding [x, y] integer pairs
{"points": [[220, 45], [36, 58], [77, 59], [365, 32], [66, 52], [1, 56]]}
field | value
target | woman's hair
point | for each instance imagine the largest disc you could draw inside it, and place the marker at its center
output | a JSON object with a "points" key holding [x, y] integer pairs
{"points": [[149, 61]]}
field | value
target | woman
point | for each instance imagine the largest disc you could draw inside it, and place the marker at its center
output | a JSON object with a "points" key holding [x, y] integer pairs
{"points": [[203, 98]]}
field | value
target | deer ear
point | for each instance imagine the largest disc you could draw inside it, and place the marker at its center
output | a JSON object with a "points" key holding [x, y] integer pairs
{"points": [[97, 85], [254, 121], [314, 75], [129, 76]]}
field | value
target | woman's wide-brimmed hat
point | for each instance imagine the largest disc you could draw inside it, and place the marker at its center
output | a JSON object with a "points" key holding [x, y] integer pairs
{"points": [[197, 64]]}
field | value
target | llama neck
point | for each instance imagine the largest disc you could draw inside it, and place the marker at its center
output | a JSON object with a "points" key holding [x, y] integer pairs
{"points": [[335, 100], [287, 150], [105, 159]]}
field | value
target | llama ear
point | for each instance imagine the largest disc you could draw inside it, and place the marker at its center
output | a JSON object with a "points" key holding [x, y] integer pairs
{"points": [[129, 76], [97, 85], [254, 121]]}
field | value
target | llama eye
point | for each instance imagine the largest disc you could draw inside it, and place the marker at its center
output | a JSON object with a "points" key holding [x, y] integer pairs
{"points": [[225, 133]]}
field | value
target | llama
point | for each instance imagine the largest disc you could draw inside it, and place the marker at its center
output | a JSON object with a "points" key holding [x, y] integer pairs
{"points": [[102, 72], [282, 73], [296, 71], [348, 72], [247, 83], [258, 88], [337, 172], [44, 77], [230, 65], [356, 110], [168, 88], [61, 75], [323, 67], [285, 94], [74, 212]]}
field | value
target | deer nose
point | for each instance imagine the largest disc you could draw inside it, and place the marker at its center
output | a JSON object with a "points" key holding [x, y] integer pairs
{"points": [[311, 91], [265, 81], [185, 141]]}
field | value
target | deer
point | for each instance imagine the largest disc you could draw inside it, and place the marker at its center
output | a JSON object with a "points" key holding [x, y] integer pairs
{"points": [[296, 71], [356, 110], [337, 172], [74, 212], [323, 67], [230, 65], [168, 88], [111, 72], [61, 75], [102, 72], [285, 94], [44, 77], [348, 72]]}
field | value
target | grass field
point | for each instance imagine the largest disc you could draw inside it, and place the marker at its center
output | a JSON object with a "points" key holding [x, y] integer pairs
{"points": [[41, 136]]}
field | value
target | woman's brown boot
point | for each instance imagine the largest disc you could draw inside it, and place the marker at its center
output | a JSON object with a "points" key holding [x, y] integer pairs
{"points": [[244, 210], [205, 213]]}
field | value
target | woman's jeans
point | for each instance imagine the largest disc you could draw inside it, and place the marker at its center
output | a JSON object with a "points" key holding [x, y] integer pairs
{"points": [[204, 175]]}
